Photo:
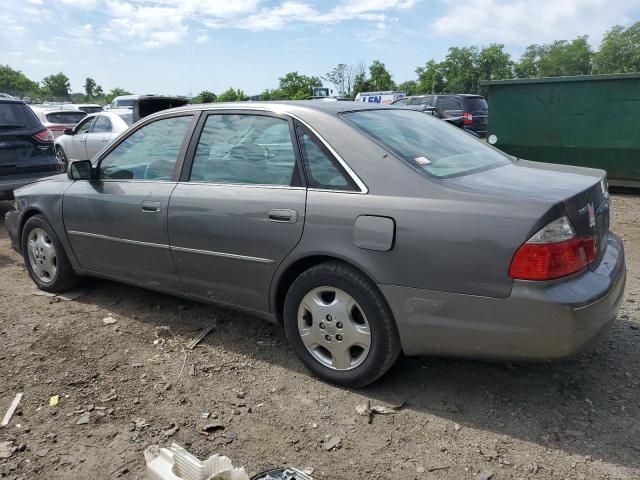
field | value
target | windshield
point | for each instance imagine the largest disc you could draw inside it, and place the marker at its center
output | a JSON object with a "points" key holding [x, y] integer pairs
{"points": [[428, 144], [125, 103]]}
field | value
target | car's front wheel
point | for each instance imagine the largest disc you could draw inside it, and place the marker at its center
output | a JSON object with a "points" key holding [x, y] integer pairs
{"points": [[46, 260], [340, 325]]}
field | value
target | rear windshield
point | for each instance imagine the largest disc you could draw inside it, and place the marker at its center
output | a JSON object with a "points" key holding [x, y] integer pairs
{"points": [[15, 116], [477, 104], [70, 118], [430, 145], [91, 109]]}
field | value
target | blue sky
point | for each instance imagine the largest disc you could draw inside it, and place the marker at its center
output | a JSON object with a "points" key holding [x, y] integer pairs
{"points": [[183, 46]]}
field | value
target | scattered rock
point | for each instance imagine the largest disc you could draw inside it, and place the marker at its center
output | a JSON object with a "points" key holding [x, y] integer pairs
{"points": [[5, 449], [173, 429], [308, 471], [420, 470], [54, 400], [84, 419], [333, 443], [212, 427], [485, 475], [109, 320]]}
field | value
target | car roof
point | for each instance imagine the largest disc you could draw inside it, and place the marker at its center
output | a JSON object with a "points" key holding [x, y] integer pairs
{"points": [[127, 97], [11, 100], [77, 105], [291, 107]]}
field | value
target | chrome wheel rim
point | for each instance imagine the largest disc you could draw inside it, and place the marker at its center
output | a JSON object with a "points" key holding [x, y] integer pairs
{"points": [[334, 328], [62, 159], [42, 255]]}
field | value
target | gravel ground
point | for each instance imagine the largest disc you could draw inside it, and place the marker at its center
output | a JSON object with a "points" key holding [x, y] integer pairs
{"points": [[126, 385]]}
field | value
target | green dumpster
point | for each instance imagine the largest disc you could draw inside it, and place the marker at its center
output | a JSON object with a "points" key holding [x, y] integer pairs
{"points": [[590, 121]]}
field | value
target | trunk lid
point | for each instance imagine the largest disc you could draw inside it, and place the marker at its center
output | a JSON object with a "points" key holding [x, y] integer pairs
{"points": [[581, 192]]}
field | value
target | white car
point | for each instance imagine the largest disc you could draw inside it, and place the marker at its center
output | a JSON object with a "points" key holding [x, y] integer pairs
{"points": [[57, 118], [91, 135]]}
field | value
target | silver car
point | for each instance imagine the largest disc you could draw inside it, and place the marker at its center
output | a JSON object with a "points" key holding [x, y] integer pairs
{"points": [[91, 135], [365, 230], [57, 118]]}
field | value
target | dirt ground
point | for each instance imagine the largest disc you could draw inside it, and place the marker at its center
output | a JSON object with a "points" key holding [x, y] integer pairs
{"points": [[126, 385]]}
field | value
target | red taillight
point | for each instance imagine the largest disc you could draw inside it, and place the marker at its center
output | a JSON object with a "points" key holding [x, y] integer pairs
{"points": [[467, 118], [553, 252], [44, 136]]}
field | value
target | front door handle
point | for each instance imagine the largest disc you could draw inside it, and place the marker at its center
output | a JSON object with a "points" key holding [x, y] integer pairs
{"points": [[151, 207], [283, 215]]}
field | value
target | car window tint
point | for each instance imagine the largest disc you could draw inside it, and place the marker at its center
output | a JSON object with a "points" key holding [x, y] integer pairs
{"points": [[14, 116], [323, 171], [149, 153], [402, 101], [429, 145], [102, 125], [85, 125], [244, 149], [448, 102], [65, 117], [421, 101], [476, 104]]}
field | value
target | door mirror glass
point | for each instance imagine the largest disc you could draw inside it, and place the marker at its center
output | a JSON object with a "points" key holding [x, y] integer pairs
{"points": [[80, 170]]}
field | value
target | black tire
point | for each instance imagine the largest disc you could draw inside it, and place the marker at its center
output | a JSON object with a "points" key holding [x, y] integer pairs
{"points": [[65, 277], [62, 159], [385, 343]]}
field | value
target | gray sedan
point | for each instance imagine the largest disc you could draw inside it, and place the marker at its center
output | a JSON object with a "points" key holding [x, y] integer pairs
{"points": [[366, 231]]}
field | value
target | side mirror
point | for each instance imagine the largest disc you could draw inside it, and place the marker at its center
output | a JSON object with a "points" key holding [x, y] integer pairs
{"points": [[80, 170], [68, 131]]}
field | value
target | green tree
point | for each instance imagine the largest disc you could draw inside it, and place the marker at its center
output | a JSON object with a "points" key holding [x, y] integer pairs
{"points": [[494, 63], [298, 87], [338, 76], [459, 70], [361, 83], [566, 58], [430, 77], [89, 87], [14, 82], [57, 85], [232, 95], [204, 96], [619, 51], [410, 87], [272, 94], [380, 77], [528, 65]]}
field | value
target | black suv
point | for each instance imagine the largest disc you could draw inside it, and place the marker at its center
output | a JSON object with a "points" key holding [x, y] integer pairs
{"points": [[472, 109], [26, 147]]}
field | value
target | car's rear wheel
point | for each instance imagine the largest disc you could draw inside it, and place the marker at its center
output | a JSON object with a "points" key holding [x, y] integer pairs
{"points": [[46, 260], [340, 325], [62, 159]]}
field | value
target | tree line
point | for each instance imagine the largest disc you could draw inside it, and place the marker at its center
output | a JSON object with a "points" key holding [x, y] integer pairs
{"points": [[460, 72]]}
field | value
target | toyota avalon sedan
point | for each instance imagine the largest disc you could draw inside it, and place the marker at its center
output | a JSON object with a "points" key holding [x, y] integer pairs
{"points": [[366, 231]]}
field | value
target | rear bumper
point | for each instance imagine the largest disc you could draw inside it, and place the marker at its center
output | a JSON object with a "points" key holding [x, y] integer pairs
{"points": [[538, 321], [9, 183]]}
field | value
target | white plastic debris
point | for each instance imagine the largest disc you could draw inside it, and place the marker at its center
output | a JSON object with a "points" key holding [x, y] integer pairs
{"points": [[175, 463]]}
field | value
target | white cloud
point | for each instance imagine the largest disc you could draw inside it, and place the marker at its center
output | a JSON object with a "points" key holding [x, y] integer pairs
{"points": [[202, 39], [522, 22]]}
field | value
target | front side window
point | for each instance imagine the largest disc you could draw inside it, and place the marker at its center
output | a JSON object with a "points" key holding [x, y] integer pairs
{"points": [[149, 153], [85, 125], [244, 149], [102, 125], [323, 171], [432, 146]]}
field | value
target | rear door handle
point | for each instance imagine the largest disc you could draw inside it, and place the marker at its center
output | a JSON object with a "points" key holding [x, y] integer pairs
{"points": [[151, 207], [283, 215]]}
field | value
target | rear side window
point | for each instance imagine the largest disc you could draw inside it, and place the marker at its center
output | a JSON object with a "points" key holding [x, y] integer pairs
{"points": [[102, 125], [70, 118], [323, 171], [422, 100], [429, 145], [15, 116], [245, 149], [149, 153], [476, 104], [448, 103]]}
